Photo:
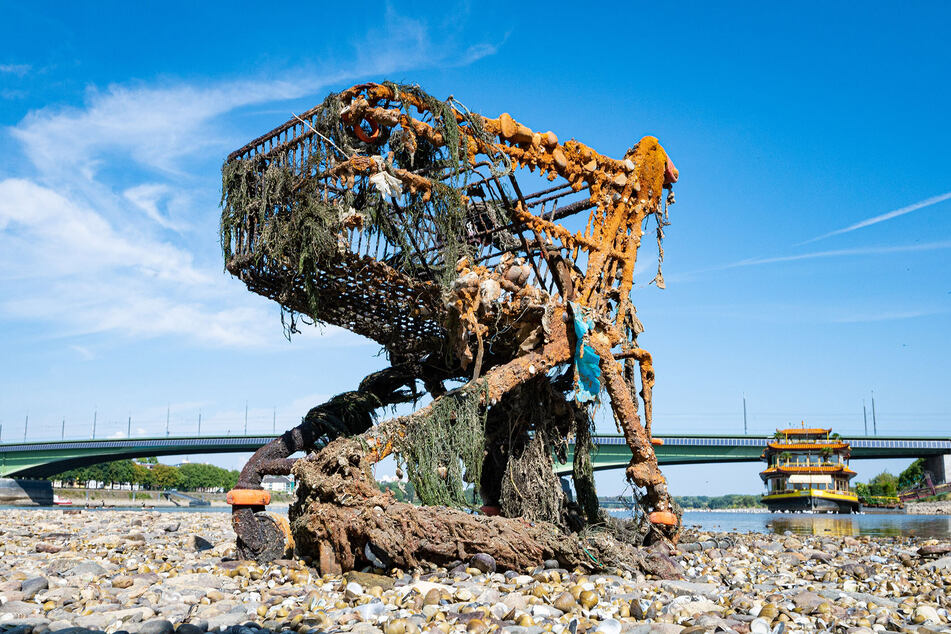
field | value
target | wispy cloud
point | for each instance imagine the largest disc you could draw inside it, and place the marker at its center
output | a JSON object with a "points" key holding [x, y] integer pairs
{"points": [[15, 69], [837, 253], [98, 233], [85, 353], [885, 315], [874, 220]]}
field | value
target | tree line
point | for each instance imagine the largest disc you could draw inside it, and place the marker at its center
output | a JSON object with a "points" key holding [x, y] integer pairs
{"points": [[887, 485], [733, 501], [152, 475]]}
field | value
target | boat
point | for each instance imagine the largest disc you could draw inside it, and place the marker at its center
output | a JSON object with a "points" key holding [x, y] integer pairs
{"points": [[61, 501], [807, 470]]}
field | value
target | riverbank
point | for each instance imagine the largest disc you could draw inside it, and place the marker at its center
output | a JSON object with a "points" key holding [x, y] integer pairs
{"points": [[149, 572], [749, 509], [120, 498], [929, 508]]}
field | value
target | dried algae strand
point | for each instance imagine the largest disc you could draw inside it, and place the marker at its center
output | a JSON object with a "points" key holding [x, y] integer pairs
{"points": [[443, 451]]}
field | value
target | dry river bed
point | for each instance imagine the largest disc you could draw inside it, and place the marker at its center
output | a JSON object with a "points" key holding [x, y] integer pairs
{"points": [[152, 573]]}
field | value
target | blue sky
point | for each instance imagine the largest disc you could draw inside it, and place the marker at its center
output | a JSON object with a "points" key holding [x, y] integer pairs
{"points": [[806, 266]]}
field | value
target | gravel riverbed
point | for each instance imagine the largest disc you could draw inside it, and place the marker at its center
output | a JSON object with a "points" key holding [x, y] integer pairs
{"points": [[152, 573]]}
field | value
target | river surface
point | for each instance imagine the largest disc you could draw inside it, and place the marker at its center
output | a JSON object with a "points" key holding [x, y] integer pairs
{"points": [[872, 524]]}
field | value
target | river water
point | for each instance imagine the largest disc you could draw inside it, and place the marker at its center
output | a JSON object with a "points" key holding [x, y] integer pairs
{"points": [[873, 524], [877, 524]]}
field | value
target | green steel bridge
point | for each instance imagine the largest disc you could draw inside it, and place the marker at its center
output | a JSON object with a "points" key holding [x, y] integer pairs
{"points": [[43, 459]]}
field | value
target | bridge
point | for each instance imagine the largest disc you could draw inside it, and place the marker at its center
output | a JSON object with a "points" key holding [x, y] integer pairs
{"points": [[44, 459]]}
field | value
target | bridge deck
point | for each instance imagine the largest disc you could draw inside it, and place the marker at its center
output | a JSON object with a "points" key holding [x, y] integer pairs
{"points": [[42, 459]]}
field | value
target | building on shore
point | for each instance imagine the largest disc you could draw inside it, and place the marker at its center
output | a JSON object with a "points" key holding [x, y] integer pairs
{"points": [[808, 470]]}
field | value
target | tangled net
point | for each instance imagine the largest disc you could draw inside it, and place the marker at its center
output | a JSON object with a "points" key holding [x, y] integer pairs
{"points": [[401, 217]]}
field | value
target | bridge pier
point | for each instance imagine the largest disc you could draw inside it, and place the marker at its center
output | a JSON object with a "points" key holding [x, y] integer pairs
{"points": [[26, 492], [940, 468]]}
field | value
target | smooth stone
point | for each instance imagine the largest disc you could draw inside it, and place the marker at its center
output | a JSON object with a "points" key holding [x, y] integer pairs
{"points": [[203, 580], [31, 586], [86, 568], [95, 621], [371, 610], [926, 613], [680, 588], [19, 608], [808, 601], [199, 543], [483, 562], [943, 563], [229, 619], [517, 601], [760, 626], [368, 579], [609, 626], [540, 610], [156, 626]]}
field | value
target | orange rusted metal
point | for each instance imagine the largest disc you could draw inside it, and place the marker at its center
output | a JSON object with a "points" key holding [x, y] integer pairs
{"points": [[248, 497], [663, 518]]}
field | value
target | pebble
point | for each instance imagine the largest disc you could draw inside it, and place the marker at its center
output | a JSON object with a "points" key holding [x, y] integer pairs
{"points": [[31, 586], [156, 626], [483, 562], [79, 573]]}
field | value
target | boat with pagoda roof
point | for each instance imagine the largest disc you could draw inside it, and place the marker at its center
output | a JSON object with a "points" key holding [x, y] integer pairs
{"points": [[808, 470]]}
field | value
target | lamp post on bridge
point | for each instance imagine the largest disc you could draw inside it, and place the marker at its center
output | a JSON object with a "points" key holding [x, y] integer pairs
{"points": [[874, 422], [26, 424], [744, 415]]}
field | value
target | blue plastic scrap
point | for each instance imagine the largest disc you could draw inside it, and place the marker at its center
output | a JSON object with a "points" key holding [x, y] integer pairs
{"points": [[587, 362]]}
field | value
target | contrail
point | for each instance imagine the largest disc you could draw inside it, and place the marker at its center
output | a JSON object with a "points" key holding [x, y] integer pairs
{"points": [[934, 200], [928, 246]]}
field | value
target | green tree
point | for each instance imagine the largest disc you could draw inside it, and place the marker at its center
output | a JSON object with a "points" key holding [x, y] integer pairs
{"points": [[884, 484], [142, 476], [231, 479], [911, 476], [166, 477], [119, 472], [862, 490], [206, 476]]}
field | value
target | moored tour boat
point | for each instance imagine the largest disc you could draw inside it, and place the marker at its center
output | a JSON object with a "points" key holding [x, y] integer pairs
{"points": [[808, 470]]}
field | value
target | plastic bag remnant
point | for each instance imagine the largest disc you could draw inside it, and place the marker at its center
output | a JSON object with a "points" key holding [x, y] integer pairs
{"points": [[587, 362], [385, 183]]}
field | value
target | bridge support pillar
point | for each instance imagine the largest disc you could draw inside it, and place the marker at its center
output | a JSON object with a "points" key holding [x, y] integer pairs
{"points": [[940, 468], [26, 492]]}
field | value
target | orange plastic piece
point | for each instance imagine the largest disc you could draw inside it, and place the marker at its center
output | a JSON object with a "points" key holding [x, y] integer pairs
{"points": [[657, 442], [665, 518], [248, 497], [374, 132]]}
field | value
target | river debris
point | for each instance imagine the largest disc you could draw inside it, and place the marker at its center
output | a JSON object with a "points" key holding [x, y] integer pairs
{"points": [[399, 217]]}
